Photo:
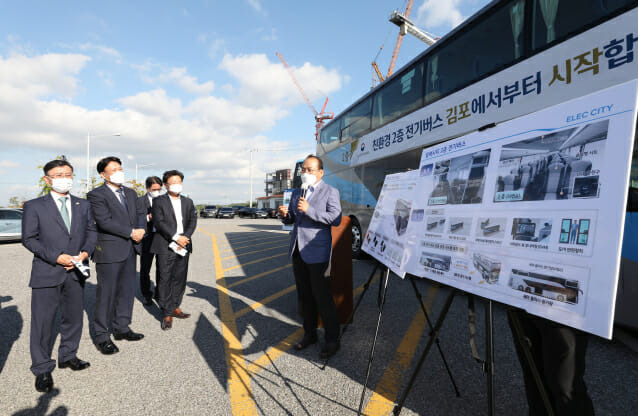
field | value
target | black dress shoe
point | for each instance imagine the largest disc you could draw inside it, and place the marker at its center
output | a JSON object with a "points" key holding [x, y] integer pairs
{"points": [[305, 342], [107, 347], [129, 336], [44, 382], [329, 349], [75, 364]]}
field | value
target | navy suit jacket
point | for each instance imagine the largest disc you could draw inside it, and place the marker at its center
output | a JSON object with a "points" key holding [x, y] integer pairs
{"points": [[312, 230], [166, 224], [45, 235], [144, 204], [115, 224]]}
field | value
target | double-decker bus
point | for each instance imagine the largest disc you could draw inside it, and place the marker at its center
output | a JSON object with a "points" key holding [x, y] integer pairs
{"points": [[511, 58], [551, 287]]}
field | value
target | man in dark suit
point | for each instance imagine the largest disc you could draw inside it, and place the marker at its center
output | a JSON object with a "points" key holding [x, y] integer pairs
{"points": [[59, 230], [121, 227], [145, 202], [313, 210], [175, 219]]}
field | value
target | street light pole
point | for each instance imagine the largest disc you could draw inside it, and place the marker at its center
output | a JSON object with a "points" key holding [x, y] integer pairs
{"points": [[141, 166], [88, 155]]}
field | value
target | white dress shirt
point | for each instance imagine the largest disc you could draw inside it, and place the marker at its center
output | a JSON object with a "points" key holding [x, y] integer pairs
{"points": [[177, 207], [56, 197]]}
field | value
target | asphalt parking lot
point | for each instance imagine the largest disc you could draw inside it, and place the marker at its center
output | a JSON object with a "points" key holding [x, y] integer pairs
{"points": [[234, 355]]}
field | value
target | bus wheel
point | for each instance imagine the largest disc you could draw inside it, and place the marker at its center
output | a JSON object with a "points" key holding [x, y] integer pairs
{"points": [[560, 298], [528, 290], [357, 238], [520, 287]]}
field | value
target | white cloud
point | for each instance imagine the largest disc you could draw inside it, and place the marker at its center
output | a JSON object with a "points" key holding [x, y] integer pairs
{"points": [[258, 77], [209, 134], [216, 46], [8, 164], [256, 5], [180, 77], [439, 14]]}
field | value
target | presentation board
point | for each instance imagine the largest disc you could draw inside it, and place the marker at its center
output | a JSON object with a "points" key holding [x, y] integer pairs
{"points": [[530, 213], [387, 232]]}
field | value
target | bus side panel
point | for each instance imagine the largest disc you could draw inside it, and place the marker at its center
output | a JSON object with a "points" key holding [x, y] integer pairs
{"points": [[628, 282]]}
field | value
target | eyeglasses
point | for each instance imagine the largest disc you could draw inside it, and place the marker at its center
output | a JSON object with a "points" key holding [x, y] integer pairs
{"points": [[309, 170], [62, 176]]}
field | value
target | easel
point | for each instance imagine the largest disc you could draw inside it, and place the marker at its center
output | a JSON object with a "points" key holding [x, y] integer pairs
{"points": [[488, 363], [383, 288]]}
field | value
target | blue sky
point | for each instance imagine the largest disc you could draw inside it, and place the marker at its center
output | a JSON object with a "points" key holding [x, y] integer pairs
{"points": [[189, 85]]}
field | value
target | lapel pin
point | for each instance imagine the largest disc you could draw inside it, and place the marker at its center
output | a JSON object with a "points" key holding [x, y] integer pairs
{"points": [[77, 203]]}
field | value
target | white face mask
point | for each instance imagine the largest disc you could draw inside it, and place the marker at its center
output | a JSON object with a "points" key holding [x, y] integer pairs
{"points": [[176, 188], [118, 178], [155, 194], [308, 179], [61, 185]]}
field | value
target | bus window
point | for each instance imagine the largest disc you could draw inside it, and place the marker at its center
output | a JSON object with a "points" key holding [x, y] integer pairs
{"points": [[330, 132], [356, 122], [555, 19], [487, 46], [398, 97]]}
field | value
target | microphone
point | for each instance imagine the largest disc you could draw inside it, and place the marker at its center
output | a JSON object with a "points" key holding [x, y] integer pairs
{"points": [[304, 189]]}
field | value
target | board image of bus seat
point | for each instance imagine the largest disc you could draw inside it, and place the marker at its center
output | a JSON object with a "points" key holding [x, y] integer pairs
{"points": [[547, 286], [489, 268], [401, 216]]}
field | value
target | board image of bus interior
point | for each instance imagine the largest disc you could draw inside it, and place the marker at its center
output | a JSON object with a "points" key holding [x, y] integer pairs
{"points": [[545, 285], [489, 268], [401, 215], [460, 180], [531, 229], [552, 166], [436, 261]]}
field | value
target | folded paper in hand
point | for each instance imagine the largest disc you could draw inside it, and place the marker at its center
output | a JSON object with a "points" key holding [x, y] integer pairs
{"points": [[177, 249], [81, 267]]}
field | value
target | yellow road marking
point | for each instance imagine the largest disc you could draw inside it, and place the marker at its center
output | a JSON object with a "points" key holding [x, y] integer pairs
{"points": [[239, 282], [263, 237], [239, 390], [271, 355], [264, 301], [382, 400], [250, 245], [252, 252], [255, 261]]}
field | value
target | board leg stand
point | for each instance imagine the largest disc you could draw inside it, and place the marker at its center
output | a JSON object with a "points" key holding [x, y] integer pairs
{"points": [[384, 283], [527, 353], [435, 333], [489, 355], [438, 344], [366, 285]]}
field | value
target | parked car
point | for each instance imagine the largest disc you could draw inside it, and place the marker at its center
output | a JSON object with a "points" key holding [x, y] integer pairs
{"points": [[252, 213], [236, 209], [208, 211], [10, 224], [272, 212], [225, 212]]}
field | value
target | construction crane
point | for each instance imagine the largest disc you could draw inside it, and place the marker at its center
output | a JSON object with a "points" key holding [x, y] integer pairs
{"points": [[320, 117], [405, 26]]}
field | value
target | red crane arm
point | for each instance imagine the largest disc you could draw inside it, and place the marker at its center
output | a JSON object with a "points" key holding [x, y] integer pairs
{"points": [[303, 93], [395, 54]]}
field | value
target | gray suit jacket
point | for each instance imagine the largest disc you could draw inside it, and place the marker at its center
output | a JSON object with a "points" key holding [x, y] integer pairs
{"points": [[45, 235], [312, 229]]}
